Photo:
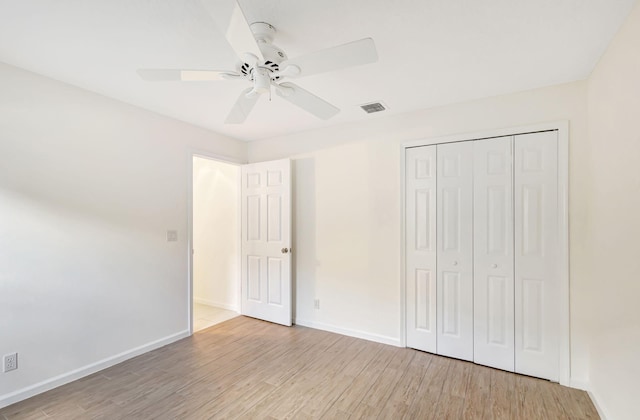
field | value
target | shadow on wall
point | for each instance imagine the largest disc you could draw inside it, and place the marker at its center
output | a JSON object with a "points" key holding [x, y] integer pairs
{"points": [[304, 232]]}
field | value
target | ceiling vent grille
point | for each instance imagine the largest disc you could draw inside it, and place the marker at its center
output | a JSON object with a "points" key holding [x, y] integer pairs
{"points": [[373, 107]]}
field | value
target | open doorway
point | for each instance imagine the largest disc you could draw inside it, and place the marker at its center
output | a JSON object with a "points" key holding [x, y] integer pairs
{"points": [[216, 247]]}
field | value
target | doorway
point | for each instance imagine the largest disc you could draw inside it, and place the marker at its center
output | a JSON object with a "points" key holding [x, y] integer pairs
{"points": [[215, 241]]}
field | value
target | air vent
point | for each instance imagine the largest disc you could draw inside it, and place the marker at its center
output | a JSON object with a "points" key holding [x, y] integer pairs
{"points": [[373, 107]]}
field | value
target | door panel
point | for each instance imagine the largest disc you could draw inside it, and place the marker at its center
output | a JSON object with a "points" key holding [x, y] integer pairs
{"points": [[266, 232], [451, 304], [275, 281], [252, 217], [532, 314], [451, 219], [420, 247], [274, 218], [499, 305], [455, 250], [254, 287], [423, 287], [493, 253], [537, 283]]}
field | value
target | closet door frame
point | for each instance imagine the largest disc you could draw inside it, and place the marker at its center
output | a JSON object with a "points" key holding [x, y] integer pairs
{"points": [[562, 127]]}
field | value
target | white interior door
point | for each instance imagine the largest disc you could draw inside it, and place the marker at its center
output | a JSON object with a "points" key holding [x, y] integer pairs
{"points": [[455, 250], [266, 241], [493, 253], [421, 247], [537, 279]]}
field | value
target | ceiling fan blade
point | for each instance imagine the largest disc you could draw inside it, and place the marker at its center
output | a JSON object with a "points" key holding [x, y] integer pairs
{"points": [[155, 75], [306, 100], [352, 54], [231, 21], [242, 107]]}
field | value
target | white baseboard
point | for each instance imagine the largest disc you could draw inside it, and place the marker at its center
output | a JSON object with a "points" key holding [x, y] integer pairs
{"points": [[216, 304], [349, 332], [586, 386], [597, 402], [65, 378]]}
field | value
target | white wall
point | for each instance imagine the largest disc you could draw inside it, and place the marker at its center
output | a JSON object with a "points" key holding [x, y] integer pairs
{"points": [[216, 233], [614, 224], [347, 208], [88, 188]]}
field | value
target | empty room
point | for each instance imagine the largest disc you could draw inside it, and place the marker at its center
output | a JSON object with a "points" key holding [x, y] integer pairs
{"points": [[333, 209]]}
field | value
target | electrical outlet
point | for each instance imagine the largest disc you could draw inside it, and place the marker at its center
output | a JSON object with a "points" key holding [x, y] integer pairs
{"points": [[172, 236], [10, 362], [316, 303]]}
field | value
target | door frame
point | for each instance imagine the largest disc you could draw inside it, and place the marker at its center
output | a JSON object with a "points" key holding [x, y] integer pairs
{"points": [[564, 362], [192, 153]]}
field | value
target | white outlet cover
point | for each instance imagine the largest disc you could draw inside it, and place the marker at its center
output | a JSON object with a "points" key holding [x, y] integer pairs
{"points": [[10, 362], [172, 236]]}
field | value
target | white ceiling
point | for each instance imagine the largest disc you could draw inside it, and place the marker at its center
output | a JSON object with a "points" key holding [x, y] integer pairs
{"points": [[432, 52]]}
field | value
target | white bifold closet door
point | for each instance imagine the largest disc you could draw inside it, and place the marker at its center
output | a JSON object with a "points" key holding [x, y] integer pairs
{"points": [[493, 253], [537, 282], [455, 250], [420, 247], [482, 250]]}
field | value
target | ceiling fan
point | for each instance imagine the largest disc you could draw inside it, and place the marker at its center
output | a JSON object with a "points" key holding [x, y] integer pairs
{"points": [[266, 66]]}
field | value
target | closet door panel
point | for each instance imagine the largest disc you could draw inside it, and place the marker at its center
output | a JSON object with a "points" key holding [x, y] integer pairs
{"points": [[537, 283], [455, 250], [493, 253], [420, 247]]}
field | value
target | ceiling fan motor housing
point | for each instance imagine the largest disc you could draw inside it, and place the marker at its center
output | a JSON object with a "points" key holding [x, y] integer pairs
{"points": [[273, 55], [263, 31]]}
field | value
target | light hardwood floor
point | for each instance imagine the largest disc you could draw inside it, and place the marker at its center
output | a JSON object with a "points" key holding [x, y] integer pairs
{"points": [[250, 369]]}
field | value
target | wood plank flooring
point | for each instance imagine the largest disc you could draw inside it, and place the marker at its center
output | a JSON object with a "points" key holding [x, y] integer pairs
{"points": [[250, 369]]}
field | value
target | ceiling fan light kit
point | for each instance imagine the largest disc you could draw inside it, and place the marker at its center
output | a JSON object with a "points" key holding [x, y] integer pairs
{"points": [[264, 65]]}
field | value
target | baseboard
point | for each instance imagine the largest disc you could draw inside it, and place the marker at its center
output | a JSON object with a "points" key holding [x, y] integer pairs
{"points": [[349, 332], [65, 378], [586, 386], [597, 402], [216, 304]]}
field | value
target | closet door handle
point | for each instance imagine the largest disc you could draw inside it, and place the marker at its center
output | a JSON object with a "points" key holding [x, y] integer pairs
{"points": [[284, 250], [455, 263], [494, 265]]}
